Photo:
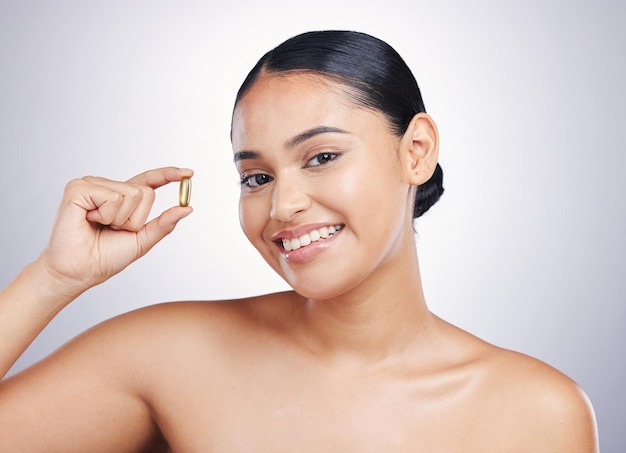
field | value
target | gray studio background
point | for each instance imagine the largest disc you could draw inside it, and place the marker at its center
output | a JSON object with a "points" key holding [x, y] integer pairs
{"points": [[526, 249]]}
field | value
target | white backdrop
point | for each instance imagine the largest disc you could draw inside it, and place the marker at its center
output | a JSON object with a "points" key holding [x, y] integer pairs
{"points": [[526, 248]]}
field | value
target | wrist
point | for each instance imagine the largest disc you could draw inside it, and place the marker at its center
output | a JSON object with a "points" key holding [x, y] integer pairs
{"points": [[50, 289]]}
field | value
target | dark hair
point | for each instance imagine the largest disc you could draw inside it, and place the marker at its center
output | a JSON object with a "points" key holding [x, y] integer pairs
{"points": [[376, 75]]}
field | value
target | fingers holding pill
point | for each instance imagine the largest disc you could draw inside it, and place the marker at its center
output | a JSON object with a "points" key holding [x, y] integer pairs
{"points": [[162, 176], [102, 225], [127, 205]]}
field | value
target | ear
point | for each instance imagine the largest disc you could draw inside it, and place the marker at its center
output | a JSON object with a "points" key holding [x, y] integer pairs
{"points": [[419, 149]]}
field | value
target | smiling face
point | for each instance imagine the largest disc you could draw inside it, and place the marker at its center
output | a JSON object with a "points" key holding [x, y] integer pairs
{"points": [[323, 196]]}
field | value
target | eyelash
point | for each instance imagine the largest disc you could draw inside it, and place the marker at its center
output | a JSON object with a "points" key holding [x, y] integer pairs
{"points": [[329, 158], [246, 179]]}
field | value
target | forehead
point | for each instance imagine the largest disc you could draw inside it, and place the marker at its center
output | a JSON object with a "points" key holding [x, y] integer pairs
{"points": [[283, 105]]}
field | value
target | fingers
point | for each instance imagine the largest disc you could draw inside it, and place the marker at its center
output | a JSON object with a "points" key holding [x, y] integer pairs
{"points": [[161, 176], [86, 254], [158, 228], [122, 205]]}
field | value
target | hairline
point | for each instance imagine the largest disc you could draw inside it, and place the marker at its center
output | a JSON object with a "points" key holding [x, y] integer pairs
{"points": [[354, 95]]}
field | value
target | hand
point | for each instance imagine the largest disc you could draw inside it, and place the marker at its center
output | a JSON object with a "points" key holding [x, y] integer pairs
{"points": [[101, 227]]}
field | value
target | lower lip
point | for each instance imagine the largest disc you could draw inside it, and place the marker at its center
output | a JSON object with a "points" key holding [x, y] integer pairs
{"points": [[307, 254]]}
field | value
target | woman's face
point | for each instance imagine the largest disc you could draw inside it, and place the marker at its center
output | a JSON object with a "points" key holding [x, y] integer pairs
{"points": [[311, 162]]}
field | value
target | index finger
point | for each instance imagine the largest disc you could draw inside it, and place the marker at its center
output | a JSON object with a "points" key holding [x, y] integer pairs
{"points": [[161, 176]]}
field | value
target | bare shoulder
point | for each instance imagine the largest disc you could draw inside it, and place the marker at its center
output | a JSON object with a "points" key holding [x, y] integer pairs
{"points": [[212, 318], [106, 382], [540, 407], [169, 329]]}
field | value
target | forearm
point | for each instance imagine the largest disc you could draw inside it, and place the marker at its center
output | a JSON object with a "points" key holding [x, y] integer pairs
{"points": [[27, 305]]}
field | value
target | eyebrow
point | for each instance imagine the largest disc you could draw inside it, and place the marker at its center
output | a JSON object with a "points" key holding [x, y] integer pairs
{"points": [[243, 155], [300, 138], [293, 142]]}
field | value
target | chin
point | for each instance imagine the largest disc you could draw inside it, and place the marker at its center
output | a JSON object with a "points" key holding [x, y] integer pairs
{"points": [[321, 288]]}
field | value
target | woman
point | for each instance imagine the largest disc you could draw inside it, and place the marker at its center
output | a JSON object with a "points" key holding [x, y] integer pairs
{"points": [[336, 156]]}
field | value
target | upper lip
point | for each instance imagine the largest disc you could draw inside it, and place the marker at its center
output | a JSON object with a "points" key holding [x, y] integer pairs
{"points": [[293, 233]]}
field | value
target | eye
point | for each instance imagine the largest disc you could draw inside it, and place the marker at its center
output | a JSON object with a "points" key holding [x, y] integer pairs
{"points": [[321, 159], [256, 180]]}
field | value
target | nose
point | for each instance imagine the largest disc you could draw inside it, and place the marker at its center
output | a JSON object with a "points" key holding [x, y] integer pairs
{"points": [[288, 199]]}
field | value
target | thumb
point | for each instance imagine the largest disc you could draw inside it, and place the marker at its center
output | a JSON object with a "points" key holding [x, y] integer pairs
{"points": [[159, 227]]}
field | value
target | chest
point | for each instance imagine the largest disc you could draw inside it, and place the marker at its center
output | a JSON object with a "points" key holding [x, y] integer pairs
{"points": [[286, 411]]}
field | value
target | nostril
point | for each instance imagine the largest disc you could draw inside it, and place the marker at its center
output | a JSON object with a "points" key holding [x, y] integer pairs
{"points": [[288, 202]]}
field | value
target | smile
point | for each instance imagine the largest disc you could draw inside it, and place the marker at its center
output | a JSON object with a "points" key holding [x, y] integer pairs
{"points": [[310, 237]]}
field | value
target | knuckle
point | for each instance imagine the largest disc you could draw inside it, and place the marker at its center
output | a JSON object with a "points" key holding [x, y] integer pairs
{"points": [[149, 194], [134, 193], [89, 178], [116, 198], [74, 184]]}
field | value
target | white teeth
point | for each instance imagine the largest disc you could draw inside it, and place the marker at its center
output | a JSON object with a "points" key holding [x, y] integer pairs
{"points": [[308, 238], [305, 240]]}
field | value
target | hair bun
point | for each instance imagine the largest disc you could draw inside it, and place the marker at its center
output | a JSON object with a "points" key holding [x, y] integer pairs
{"points": [[428, 193]]}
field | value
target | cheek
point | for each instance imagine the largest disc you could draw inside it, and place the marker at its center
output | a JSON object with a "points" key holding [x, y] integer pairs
{"points": [[377, 197], [366, 191], [251, 219]]}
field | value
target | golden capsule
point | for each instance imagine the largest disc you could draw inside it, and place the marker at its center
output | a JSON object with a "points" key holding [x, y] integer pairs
{"points": [[184, 193]]}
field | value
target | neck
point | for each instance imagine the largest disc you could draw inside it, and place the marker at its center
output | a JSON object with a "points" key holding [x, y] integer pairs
{"points": [[384, 316]]}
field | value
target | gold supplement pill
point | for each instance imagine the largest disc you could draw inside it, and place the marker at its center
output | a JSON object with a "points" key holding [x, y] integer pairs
{"points": [[184, 193]]}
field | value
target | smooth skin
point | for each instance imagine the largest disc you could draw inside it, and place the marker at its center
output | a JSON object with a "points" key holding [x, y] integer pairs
{"points": [[350, 361]]}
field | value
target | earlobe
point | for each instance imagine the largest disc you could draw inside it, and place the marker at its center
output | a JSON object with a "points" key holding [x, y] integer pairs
{"points": [[420, 149]]}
